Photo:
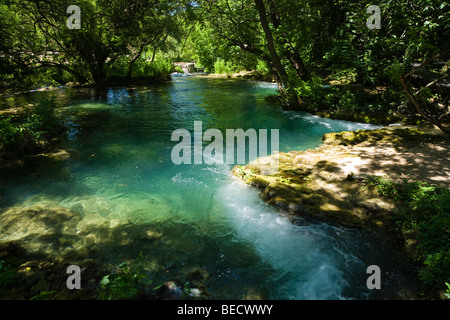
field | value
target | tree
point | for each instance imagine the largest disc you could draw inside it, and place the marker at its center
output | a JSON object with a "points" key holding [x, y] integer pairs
{"points": [[271, 43], [229, 30], [111, 32]]}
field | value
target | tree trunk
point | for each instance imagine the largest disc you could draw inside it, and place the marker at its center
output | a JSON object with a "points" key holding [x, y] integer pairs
{"points": [[297, 63], [419, 109], [270, 43], [291, 54], [414, 101], [131, 64], [98, 75], [288, 90]]}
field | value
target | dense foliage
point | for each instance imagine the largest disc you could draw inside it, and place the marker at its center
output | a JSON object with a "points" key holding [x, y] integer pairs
{"points": [[423, 210], [304, 44], [319, 43], [29, 131], [111, 33], [126, 282]]}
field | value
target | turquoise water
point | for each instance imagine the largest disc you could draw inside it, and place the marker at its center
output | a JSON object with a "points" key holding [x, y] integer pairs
{"points": [[192, 222]]}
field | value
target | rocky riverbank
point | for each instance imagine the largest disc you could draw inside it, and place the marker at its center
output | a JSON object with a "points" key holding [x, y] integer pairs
{"points": [[367, 179], [329, 183]]}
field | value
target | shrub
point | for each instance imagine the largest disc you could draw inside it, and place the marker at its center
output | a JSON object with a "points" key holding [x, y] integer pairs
{"points": [[10, 133], [219, 66], [23, 133], [159, 68], [142, 69], [222, 67], [7, 275], [42, 119], [425, 209], [348, 101], [262, 68], [314, 95], [178, 69], [126, 282]]}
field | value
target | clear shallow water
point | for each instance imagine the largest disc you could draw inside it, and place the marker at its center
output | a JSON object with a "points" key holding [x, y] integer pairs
{"points": [[191, 222]]}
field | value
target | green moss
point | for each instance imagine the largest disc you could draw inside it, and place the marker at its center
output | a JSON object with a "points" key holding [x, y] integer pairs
{"points": [[302, 189], [257, 181], [314, 199], [281, 190], [358, 117], [295, 186], [387, 134]]}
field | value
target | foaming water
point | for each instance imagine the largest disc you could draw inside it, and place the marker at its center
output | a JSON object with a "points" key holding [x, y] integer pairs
{"points": [[306, 263], [120, 194]]}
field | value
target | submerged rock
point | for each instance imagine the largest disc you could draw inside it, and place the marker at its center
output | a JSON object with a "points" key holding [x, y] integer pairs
{"points": [[57, 231], [49, 230], [37, 221]]}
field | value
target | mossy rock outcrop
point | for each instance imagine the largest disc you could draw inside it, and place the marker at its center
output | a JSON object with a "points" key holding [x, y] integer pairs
{"points": [[294, 188], [392, 134], [328, 183], [355, 116]]}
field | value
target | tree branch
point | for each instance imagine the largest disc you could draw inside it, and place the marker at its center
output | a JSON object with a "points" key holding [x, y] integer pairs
{"points": [[46, 64], [420, 110]]}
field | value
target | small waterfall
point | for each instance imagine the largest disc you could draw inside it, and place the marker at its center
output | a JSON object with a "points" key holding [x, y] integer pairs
{"points": [[188, 67], [305, 266]]}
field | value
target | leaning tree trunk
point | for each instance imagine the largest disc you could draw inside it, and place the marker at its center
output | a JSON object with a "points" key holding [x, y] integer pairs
{"points": [[133, 61], [282, 74], [290, 52], [420, 110], [270, 43], [412, 98], [98, 75]]}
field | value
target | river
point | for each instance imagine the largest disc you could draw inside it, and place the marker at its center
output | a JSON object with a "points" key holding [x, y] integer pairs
{"points": [[192, 222]]}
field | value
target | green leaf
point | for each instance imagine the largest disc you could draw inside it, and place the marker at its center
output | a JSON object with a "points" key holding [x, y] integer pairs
{"points": [[45, 295], [105, 281]]}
